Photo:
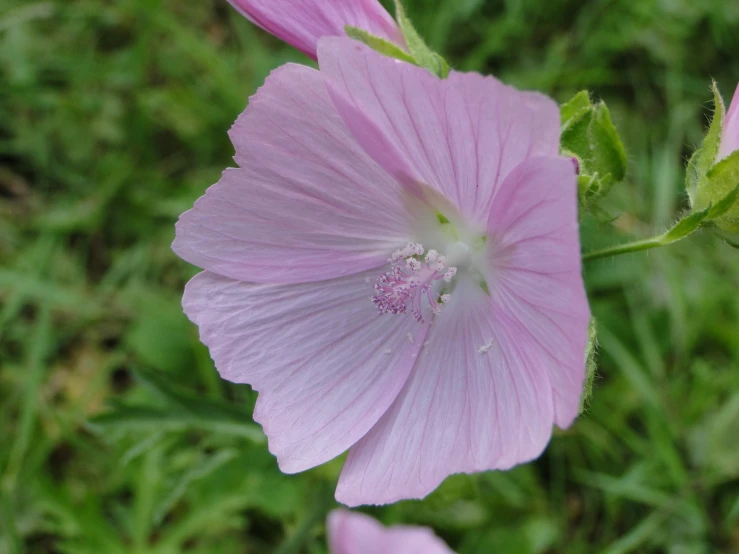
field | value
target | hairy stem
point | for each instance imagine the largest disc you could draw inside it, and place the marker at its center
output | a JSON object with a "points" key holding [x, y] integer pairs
{"points": [[636, 246]]}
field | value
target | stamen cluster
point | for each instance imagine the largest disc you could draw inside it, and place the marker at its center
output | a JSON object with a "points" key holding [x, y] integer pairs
{"points": [[412, 279]]}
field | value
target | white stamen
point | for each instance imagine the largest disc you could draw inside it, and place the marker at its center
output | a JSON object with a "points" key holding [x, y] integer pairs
{"points": [[411, 287]]}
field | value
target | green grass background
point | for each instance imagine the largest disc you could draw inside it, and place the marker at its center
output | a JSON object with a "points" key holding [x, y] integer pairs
{"points": [[117, 436]]}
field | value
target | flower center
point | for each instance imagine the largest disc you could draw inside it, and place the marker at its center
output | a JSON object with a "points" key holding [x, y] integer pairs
{"points": [[410, 282]]}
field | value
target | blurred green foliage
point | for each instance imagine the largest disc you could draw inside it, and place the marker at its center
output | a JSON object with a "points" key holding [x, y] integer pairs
{"points": [[118, 436]]}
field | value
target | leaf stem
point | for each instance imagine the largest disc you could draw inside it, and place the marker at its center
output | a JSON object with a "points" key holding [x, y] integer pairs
{"points": [[635, 246], [683, 228]]}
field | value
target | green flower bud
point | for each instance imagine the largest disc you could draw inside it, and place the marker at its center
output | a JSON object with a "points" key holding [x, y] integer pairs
{"points": [[589, 136], [713, 171]]}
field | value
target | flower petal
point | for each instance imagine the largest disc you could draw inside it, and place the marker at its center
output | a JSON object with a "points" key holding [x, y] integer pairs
{"points": [[356, 533], [307, 203], [302, 22], [478, 399], [326, 365], [537, 275], [730, 132], [461, 136]]}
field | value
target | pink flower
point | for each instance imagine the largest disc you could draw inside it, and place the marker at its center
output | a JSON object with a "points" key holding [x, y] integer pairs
{"points": [[355, 533], [730, 131], [373, 186], [302, 22]]}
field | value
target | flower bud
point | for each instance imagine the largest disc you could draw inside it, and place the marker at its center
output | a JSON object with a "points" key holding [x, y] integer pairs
{"points": [[302, 22], [713, 172], [591, 140], [730, 130]]}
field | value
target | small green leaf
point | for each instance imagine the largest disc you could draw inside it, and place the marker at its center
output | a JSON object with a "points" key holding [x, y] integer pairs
{"points": [[712, 141], [573, 111], [379, 44], [443, 66], [145, 418], [184, 410], [704, 157], [685, 226], [422, 54], [575, 138], [609, 153]]}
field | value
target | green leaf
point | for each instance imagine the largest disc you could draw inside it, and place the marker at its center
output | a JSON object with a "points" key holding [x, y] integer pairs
{"points": [[573, 111], [609, 154], [704, 158], [443, 66], [422, 54], [184, 410], [712, 141], [144, 418], [187, 400], [685, 226], [379, 44]]}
